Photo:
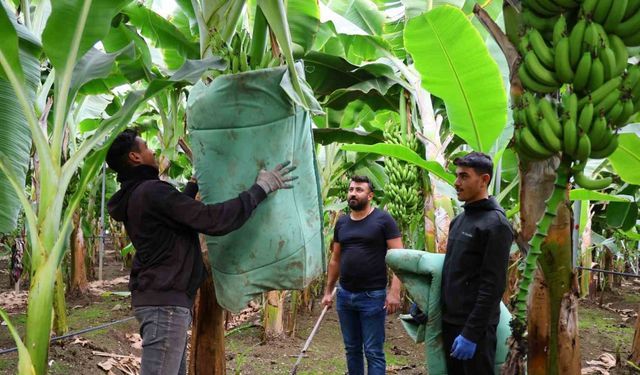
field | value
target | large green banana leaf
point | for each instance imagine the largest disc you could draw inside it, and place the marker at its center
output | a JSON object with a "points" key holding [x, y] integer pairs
{"points": [[15, 137], [339, 82], [304, 22], [363, 13], [455, 65], [626, 158], [163, 34]]}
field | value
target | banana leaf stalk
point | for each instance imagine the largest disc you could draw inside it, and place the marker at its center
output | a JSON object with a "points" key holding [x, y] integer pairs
{"points": [[515, 363], [535, 245]]}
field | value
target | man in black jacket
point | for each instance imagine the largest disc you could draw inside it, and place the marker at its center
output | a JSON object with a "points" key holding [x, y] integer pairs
{"points": [[474, 273], [163, 226]]}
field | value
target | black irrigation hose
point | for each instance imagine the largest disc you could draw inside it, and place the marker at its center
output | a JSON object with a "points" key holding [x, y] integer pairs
{"points": [[611, 272], [5, 351]]}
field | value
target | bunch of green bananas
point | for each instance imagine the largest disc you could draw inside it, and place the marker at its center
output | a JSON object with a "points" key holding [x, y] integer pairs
{"points": [[578, 48], [581, 133], [404, 188], [236, 53]]}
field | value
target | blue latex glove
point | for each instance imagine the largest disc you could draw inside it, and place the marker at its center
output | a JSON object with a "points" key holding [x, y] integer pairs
{"points": [[462, 348]]}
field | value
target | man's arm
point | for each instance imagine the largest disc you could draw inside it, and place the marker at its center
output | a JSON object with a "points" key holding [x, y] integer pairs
{"points": [[212, 219], [219, 218], [492, 281], [332, 274], [393, 296]]}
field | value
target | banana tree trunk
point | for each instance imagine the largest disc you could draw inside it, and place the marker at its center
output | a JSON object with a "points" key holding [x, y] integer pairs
{"points": [[635, 349], [79, 284], [292, 321], [273, 314], [430, 231], [60, 326], [39, 315], [207, 333], [553, 343]]}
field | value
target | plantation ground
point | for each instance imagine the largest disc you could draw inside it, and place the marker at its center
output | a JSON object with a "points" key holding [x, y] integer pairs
{"points": [[607, 329]]}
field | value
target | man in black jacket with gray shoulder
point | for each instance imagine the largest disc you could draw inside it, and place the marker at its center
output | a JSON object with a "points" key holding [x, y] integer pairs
{"points": [[163, 226], [474, 273]]}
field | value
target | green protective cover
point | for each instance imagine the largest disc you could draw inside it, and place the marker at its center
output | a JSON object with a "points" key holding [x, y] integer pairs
{"points": [[239, 124], [421, 273]]}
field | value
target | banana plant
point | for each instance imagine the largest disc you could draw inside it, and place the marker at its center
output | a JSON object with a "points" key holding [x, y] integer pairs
{"points": [[67, 39]]}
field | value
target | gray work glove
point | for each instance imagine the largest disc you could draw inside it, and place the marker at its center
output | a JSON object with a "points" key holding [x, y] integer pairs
{"points": [[277, 178]]}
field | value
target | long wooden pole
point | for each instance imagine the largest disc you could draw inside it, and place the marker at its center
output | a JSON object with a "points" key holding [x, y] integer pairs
{"points": [[313, 333]]}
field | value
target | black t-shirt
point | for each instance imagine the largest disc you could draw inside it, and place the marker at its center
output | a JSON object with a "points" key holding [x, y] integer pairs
{"points": [[363, 245]]}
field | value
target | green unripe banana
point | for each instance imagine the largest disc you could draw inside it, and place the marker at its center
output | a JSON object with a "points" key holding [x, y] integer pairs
{"points": [[620, 51], [581, 78], [627, 111], [608, 59], [588, 7], [539, 9], [608, 101], [550, 140], [591, 38], [629, 26], [608, 150], [533, 145], [531, 84], [596, 77], [584, 147], [537, 22], [597, 132], [539, 72], [540, 48], [616, 13], [591, 184], [549, 114], [570, 103], [615, 111], [602, 10], [632, 7], [570, 137], [559, 29], [601, 92], [562, 61], [575, 42], [585, 119]]}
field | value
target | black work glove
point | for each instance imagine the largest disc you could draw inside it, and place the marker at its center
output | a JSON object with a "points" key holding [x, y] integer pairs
{"points": [[277, 178]]}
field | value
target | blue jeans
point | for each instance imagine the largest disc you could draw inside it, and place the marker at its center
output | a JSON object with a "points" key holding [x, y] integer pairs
{"points": [[164, 339], [362, 317]]}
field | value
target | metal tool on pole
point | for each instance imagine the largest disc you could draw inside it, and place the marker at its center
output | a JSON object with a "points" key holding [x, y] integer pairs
{"points": [[313, 332]]}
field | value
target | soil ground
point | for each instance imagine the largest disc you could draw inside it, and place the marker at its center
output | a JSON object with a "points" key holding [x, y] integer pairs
{"points": [[606, 328]]}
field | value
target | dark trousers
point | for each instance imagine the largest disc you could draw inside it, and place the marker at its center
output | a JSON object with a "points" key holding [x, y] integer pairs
{"points": [[482, 362], [164, 339]]}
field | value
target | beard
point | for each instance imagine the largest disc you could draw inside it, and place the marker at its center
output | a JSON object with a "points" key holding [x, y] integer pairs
{"points": [[357, 205]]}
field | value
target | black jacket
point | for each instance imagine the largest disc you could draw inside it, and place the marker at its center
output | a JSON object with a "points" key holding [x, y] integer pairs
{"points": [[163, 225], [475, 267]]}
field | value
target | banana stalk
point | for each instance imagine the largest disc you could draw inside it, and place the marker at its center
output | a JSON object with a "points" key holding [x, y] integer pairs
{"points": [[258, 38], [531, 262]]}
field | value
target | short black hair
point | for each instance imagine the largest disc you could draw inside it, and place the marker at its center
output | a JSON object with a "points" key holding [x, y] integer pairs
{"points": [[363, 179], [480, 162], [118, 154]]}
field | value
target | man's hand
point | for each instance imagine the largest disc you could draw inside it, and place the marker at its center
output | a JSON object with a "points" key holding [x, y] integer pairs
{"points": [[327, 299], [392, 303], [462, 348], [277, 178]]}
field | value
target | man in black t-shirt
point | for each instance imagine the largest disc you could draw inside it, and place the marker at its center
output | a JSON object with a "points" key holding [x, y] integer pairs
{"points": [[361, 241]]}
